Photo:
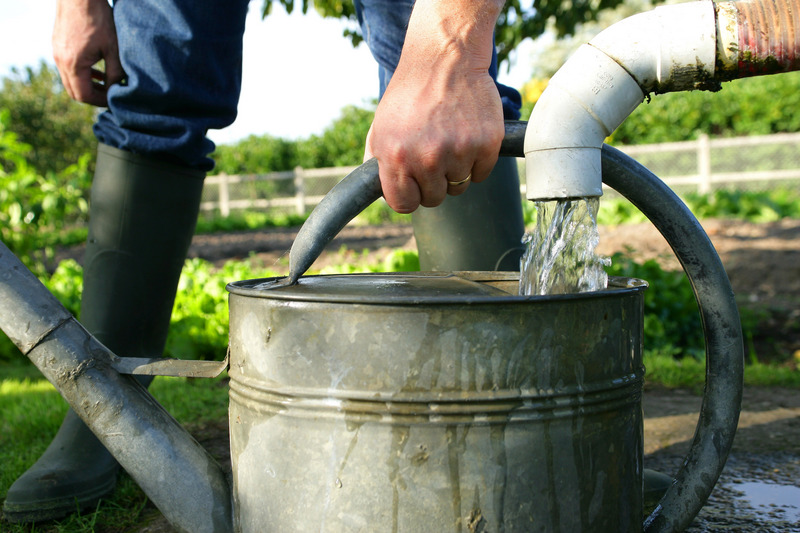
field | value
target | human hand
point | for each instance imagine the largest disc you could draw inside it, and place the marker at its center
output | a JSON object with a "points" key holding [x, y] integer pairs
{"points": [[83, 34], [441, 119]]}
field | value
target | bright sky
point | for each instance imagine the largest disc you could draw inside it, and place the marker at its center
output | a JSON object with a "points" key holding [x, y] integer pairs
{"points": [[299, 71]]}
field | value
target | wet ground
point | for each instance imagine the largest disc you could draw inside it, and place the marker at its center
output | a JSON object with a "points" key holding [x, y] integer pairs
{"points": [[759, 489], [756, 493]]}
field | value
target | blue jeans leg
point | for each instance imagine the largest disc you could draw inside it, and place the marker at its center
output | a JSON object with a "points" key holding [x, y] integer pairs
{"points": [[183, 65]]}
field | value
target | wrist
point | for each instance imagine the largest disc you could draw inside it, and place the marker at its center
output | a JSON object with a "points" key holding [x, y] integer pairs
{"points": [[461, 28]]}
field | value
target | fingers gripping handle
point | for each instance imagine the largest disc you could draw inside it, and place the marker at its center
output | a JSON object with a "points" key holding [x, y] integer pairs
{"points": [[351, 196]]}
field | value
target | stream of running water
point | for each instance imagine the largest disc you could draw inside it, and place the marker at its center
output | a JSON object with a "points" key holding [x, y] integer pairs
{"points": [[559, 255]]}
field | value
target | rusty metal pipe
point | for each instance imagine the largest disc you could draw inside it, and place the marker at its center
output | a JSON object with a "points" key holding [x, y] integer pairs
{"points": [[757, 38]]}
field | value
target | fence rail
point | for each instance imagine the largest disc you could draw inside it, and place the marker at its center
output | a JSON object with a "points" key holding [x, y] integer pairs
{"points": [[701, 165], [305, 192], [718, 162]]}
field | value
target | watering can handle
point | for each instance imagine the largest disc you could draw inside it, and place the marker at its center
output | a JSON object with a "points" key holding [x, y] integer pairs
{"points": [[351, 196], [719, 413], [722, 397]]}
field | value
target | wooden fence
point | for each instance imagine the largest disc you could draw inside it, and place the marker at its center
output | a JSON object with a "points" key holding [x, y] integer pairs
{"points": [[700, 165], [303, 197], [720, 162]]}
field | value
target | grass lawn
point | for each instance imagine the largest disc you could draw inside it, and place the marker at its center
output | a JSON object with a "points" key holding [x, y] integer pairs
{"points": [[32, 411]]}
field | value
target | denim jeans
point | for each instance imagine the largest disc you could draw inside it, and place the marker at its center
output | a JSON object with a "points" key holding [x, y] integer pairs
{"points": [[183, 66], [383, 24]]}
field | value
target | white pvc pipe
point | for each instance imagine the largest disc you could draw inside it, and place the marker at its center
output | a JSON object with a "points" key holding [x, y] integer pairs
{"points": [[671, 48]]}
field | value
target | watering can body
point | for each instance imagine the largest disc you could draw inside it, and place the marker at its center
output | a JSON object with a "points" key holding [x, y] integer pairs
{"points": [[435, 402]]}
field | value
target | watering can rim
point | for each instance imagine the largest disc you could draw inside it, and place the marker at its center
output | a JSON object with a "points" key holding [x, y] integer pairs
{"points": [[465, 287]]}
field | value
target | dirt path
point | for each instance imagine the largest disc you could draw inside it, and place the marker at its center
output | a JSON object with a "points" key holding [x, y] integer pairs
{"points": [[762, 260]]}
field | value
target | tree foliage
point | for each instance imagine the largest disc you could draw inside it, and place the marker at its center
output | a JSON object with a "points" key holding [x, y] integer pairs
{"points": [[518, 21], [256, 154], [43, 116], [340, 144], [751, 106]]}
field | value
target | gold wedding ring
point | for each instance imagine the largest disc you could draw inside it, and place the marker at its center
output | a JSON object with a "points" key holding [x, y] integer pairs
{"points": [[457, 183]]}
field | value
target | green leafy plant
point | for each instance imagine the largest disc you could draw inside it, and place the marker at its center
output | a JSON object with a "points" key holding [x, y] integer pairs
{"points": [[671, 317], [755, 206], [247, 220], [379, 213], [35, 209]]}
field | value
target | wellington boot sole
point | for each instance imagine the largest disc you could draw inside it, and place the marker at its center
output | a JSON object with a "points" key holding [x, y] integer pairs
{"points": [[73, 474], [54, 508]]}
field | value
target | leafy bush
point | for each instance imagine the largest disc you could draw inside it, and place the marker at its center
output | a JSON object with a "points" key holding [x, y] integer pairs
{"points": [[671, 317], [35, 209], [199, 327], [379, 213], [340, 144], [615, 211], [401, 261], [42, 115], [751, 106], [755, 206], [254, 154], [247, 220], [763, 206]]}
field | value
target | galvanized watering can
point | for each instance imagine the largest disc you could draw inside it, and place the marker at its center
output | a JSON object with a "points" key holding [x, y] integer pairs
{"points": [[412, 402]]}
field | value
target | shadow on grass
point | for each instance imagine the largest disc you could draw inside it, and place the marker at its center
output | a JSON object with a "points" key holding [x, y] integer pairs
{"points": [[31, 411]]}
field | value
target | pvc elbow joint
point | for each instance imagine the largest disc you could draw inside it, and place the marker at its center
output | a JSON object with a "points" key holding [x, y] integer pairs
{"points": [[584, 102], [671, 48]]}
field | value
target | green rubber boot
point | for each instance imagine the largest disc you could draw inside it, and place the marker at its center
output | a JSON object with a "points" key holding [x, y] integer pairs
{"points": [[654, 486], [142, 218], [479, 230]]}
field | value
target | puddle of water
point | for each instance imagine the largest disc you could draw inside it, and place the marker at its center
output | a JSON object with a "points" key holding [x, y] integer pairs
{"points": [[772, 497]]}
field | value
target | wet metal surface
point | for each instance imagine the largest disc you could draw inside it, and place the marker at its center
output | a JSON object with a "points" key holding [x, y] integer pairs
{"points": [[409, 402]]}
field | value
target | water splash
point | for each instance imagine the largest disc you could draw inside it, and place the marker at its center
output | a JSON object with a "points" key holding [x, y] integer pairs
{"points": [[559, 254]]}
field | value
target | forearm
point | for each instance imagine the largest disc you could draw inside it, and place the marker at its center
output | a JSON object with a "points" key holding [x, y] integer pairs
{"points": [[457, 26]]}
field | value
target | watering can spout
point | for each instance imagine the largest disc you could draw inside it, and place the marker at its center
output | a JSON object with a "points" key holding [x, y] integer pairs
{"points": [[672, 48], [175, 472]]}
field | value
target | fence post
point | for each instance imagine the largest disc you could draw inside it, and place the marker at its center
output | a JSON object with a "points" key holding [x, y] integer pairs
{"points": [[300, 190], [224, 198], [704, 164]]}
